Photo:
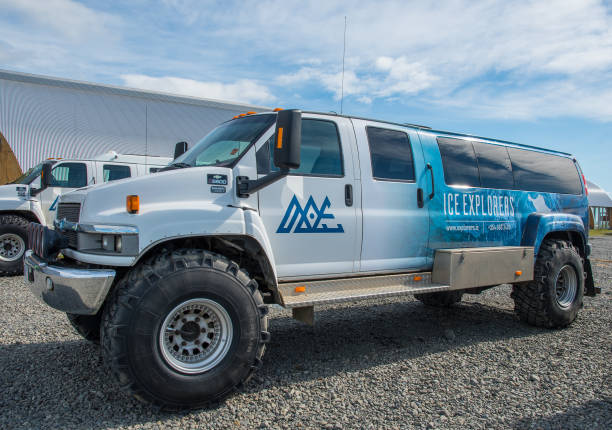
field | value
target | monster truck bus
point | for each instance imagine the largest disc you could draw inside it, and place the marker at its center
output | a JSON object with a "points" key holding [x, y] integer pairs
{"points": [[173, 272]]}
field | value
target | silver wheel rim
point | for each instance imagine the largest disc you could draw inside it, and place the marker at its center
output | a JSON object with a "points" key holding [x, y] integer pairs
{"points": [[12, 247], [566, 286], [195, 336]]}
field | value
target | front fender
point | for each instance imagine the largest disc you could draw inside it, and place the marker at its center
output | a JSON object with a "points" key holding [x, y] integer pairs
{"points": [[539, 225]]}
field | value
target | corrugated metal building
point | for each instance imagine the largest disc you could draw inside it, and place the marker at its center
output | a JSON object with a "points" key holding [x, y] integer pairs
{"points": [[600, 204], [42, 117]]}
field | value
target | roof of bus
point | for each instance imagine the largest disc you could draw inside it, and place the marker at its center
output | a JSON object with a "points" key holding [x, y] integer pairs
{"points": [[427, 129]]}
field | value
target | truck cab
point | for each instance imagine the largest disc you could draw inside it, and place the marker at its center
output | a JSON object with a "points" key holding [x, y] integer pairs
{"points": [[27, 199], [174, 271]]}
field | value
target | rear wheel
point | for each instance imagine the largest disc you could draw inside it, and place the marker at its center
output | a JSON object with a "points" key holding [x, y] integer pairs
{"points": [[13, 240], [440, 299], [184, 329], [554, 297]]}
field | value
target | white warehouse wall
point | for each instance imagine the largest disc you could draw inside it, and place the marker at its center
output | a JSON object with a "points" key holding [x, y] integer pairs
{"points": [[44, 117]]}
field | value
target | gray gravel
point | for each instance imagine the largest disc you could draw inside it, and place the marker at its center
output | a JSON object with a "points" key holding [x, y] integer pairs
{"points": [[380, 364]]}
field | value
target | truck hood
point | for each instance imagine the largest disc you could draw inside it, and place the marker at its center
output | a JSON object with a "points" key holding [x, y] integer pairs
{"points": [[12, 196], [189, 188]]}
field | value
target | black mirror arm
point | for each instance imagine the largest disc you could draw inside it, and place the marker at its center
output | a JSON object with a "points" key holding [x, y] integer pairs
{"points": [[246, 186]]}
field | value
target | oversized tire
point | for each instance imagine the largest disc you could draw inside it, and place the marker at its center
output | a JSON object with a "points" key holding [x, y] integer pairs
{"points": [[13, 243], [184, 329], [441, 299], [87, 326], [554, 297]]}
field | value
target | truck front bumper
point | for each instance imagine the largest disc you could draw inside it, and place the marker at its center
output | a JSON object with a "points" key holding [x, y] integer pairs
{"points": [[76, 291]]}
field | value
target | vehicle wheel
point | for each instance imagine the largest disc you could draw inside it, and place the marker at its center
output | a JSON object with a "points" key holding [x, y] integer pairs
{"points": [[554, 296], [440, 299], [184, 329], [13, 240], [87, 326]]}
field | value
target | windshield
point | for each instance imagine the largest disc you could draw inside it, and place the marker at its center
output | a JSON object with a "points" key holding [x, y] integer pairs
{"points": [[226, 143], [30, 175]]}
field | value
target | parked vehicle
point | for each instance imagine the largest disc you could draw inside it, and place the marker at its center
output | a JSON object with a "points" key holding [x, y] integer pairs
{"points": [[173, 272], [25, 200]]}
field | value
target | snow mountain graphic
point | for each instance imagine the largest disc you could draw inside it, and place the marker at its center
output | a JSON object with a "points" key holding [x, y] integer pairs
{"points": [[309, 219]]}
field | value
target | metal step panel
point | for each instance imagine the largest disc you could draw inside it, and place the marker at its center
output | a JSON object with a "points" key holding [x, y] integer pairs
{"points": [[319, 292]]}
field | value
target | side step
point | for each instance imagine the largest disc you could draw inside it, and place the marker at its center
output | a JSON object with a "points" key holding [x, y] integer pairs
{"points": [[310, 293]]}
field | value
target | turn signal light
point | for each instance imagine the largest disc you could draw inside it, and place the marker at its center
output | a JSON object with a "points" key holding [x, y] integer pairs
{"points": [[277, 109], [132, 204], [518, 273], [301, 289], [418, 278]]}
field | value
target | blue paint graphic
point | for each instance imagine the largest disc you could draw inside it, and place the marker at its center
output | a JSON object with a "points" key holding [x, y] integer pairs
{"points": [[54, 204], [309, 219]]}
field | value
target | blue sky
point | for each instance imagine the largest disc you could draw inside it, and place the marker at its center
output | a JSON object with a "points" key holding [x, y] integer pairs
{"points": [[535, 72]]}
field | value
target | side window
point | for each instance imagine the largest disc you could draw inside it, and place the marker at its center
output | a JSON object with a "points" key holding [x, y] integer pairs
{"points": [[320, 153], [494, 166], [546, 173], [112, 172], [459, 162], [69, 175], [391, 154]]}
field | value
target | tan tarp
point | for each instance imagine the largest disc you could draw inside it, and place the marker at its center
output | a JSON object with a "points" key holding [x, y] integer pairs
{"points": [[9, 167]]}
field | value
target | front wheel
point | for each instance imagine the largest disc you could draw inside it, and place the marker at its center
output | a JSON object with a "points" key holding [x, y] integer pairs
{"points": [[554, 297], [184, 329], [13, 240]]}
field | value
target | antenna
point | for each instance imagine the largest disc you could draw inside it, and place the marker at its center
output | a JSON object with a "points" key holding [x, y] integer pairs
{"points": [[343, 55]]}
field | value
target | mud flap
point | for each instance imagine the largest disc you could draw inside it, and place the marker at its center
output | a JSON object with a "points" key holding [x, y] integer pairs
{"points": [[589, 285]]}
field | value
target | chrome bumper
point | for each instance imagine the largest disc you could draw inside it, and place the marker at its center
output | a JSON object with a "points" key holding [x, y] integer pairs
{"points": [[77, 291]]}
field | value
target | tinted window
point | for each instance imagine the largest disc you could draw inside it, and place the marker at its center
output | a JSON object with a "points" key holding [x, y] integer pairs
{"points": [[494, 166], [69, 175], [112, 172], [459, 162], [391, 154], [320, 151], [535, 171]]}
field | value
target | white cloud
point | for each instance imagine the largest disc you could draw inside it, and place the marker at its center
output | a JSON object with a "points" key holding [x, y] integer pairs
{"points": [[244, 90], [68, 18]]}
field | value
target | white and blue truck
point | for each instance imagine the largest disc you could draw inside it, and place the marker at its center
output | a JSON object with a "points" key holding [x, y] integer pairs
{"points": [[173, 273], [25, 199]]}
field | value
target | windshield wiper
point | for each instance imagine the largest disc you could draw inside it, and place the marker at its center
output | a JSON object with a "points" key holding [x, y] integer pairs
{"points": [[175, 166]]}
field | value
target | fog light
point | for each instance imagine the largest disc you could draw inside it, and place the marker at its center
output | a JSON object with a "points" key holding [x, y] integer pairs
{"points": [[49, 284], [108, 242], [118, 244]]}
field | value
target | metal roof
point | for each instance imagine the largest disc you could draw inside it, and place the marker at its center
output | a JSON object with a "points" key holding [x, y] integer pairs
{"points": [[598, 197], [124, 91]]}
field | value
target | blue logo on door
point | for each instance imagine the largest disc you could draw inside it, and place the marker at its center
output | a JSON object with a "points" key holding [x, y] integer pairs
{"points": [[309, 219], [54, 204]]}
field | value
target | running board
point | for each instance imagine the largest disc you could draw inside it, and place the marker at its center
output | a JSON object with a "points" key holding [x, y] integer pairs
{"points": [[311, 293]]}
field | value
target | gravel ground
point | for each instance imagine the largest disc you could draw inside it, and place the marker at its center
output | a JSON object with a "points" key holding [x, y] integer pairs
{"points": [[381, 364]]}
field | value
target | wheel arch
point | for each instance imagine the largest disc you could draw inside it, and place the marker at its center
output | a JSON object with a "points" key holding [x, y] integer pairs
{"points": [[30, 216], [245, 250]]}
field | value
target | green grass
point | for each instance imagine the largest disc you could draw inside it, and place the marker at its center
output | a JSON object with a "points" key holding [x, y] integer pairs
{"points": [[600, 232]]}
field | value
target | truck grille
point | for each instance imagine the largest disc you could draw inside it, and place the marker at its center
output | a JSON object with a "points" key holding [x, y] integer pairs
{"points": [[70, 212]]}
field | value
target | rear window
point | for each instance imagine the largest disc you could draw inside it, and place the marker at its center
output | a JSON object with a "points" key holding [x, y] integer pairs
{"points": [[113, 172], [535, 171], [391, 154], [494, 166], [459, 162]]}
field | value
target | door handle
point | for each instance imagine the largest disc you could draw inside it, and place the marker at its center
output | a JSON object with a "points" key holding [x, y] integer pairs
{"points": [[420, 202], [433, 185], [348, 195]]}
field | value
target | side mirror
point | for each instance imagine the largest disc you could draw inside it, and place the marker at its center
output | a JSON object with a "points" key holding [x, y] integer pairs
{"points": [[45, 176], [288, 139], [179, 149]]}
